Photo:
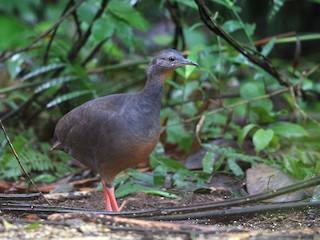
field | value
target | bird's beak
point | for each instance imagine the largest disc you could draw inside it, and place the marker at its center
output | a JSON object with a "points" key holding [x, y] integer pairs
{"points": [[188, 62]]}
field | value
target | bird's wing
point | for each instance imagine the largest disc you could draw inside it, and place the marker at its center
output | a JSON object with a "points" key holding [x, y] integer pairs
{"points": [[81, 127]]}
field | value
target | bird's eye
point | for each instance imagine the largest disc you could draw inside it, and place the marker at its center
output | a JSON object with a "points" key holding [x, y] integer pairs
{"points": [[171, 59]]}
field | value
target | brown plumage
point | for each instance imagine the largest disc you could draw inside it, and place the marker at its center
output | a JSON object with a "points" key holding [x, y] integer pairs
{"points": [[115, 132]]}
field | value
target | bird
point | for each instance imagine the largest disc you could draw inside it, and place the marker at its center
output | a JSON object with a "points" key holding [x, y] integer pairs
{"points": [[115, 132]]}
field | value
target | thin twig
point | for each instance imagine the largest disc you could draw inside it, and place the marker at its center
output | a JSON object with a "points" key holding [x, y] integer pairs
{"points": [[231, 106], [18, 159], [46, 54], [236, 213]]}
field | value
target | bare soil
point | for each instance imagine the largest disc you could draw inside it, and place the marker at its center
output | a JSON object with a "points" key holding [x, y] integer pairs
{"points": [[285, 225]]}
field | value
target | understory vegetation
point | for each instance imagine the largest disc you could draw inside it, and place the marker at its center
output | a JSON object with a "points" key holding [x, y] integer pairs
{"points": [[257, 87]]}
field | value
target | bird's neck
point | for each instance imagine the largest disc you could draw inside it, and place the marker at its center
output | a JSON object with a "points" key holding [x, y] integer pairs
{"points": [[154, 85]]}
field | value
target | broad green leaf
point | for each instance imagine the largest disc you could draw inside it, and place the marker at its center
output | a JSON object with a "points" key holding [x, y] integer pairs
{"points": [[159, 176], [123, 31], [289, 130], [172, 164], [124, 11], [179, 178], [234, 167], [87, 10], [13, 31], [245, 131], [262, 138], [208, 162], [103, 28], [147, 178], [45, 178], [264, 115], [129, 188], [252, 90]]}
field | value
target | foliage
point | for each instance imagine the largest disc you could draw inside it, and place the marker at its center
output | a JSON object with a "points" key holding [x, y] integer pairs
{"points": [[103, 48], [35, 157]]}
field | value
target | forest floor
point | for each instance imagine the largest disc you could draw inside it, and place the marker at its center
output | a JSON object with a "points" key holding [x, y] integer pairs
{"points": [[270, 225]]}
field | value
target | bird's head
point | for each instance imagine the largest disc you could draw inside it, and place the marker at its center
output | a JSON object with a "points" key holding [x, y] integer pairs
{"points": [[167, 61]]}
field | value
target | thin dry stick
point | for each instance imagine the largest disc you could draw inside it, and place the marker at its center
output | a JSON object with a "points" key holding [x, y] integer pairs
{"points": [[232, 106], [18, 159]]}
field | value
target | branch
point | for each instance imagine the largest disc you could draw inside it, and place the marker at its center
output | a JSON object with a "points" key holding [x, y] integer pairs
{"points": [[251, 54], [18, 159], [236, 213]]}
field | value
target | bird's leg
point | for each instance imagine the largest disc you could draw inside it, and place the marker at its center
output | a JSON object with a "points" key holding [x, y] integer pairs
{"points": [[111, 203], [112, 198]]}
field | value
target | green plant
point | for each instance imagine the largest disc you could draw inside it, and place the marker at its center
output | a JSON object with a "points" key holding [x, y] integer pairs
{"points": [[56, 55], [35, 157]]}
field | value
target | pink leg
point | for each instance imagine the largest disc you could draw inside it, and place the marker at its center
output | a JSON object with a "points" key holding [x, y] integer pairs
{"points": [[111, 203], [112, 198]]}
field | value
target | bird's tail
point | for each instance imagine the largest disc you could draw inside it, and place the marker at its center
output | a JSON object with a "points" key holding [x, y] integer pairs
{"points": [[55, 145]]}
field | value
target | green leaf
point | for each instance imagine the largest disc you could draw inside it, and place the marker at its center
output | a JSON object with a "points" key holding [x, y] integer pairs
{"points": [[188, 68], [67, 97], [13, 31], [33, 226], [289, 130], [234, 25], [234, 167], [103, 28], [129, 188], [132, 187], [245, 131], [231, 26], [268, 47], [160, 193], [179, 178], [262, 138], [277, 5], [252, 90], [124, 11], [172, 164], [264, 115], [45, 178], [159, 176], [54, 82], [87, 10], [208, 162], [189, 3], [147, 178], [42, 70]]}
